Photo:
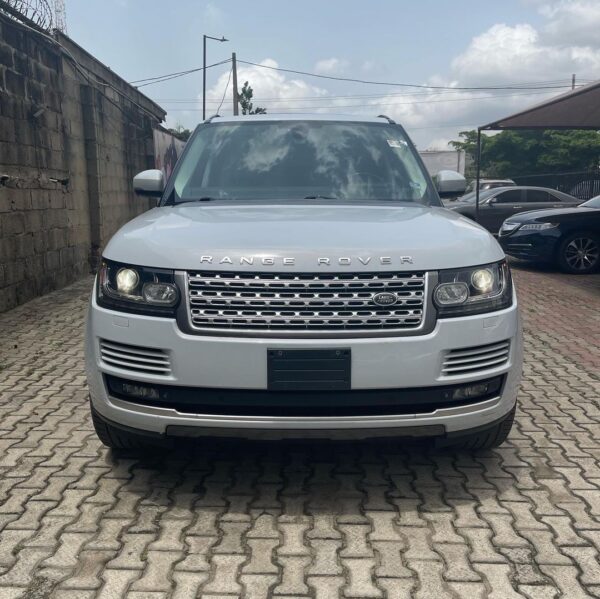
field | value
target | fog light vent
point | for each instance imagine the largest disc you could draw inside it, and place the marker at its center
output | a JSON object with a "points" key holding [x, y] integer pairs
{"points": [[471, 360], [133, 358]]}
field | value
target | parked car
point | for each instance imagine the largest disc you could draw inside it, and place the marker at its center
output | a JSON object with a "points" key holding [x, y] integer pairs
{"points": [[568, 237], [496, 205], [300, 278], [485, 184]]}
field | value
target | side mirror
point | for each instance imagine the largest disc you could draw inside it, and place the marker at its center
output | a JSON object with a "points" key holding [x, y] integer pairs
{"points": [[450, 184], [149, 183]]}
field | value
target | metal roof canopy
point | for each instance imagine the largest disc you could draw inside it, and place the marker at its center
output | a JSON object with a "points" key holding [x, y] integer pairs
{"points": [[576, 109]]}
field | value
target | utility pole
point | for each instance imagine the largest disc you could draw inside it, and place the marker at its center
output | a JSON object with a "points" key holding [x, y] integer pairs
{"points": [[573, 81], [204, 38], [236, 104], [478, 176], [204, 78]]}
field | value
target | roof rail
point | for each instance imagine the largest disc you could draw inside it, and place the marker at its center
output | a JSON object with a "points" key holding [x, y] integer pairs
{"points": [[210, 118], [388, 119]]}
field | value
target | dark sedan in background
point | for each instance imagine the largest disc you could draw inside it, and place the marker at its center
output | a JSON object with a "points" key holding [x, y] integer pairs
{"points": [[568, 237], [496, 205]]}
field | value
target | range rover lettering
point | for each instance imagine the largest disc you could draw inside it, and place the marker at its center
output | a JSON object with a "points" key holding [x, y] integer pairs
{"points": [[299, 277]]}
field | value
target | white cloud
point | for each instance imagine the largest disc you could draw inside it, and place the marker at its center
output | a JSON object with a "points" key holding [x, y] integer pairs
{"points": [[505, 54], [572, 22], [565, 42], [329, 66], [271, 88]]}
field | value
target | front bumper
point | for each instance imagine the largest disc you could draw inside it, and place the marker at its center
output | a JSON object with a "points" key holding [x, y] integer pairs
{"points": [[229, 363], [538, 246]]}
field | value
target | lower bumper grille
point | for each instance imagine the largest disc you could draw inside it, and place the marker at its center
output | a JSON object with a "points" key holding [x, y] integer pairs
{"points": [[242, 402], [306, 302]]}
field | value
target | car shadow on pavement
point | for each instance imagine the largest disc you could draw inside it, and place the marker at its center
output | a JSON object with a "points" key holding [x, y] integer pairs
{"points": [[296, 479]]}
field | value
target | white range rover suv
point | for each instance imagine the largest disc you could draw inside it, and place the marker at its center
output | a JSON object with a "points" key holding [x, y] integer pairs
{"points": [[299, 277]]}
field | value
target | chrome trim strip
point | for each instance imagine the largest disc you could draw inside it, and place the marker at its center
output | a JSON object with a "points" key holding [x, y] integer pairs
{"points": [[273, 422]]}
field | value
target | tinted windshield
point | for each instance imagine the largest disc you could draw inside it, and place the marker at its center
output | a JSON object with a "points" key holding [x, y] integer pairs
{"points": [[593, 203], [292, 160]]}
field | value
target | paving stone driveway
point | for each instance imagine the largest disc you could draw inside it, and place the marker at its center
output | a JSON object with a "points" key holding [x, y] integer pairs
{"points": [[302, 520]]}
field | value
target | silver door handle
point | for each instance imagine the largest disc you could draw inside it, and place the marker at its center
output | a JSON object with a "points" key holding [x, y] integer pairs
{"points": [[517, 206]]}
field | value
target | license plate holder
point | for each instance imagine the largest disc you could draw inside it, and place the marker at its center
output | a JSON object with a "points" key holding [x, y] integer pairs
{"points": [[309, 369]]}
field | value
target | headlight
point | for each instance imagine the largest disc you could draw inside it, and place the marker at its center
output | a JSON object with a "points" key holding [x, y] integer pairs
{"points": [[508, 227], [473, 290], [137, 289], [127, 280], [538, 226]]}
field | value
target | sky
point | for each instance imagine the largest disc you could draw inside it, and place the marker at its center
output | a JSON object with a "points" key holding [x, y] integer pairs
{"points": [[458, 44]]}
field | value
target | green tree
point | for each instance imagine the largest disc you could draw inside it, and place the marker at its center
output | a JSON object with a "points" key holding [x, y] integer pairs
{"points": [[468, 144], [245, 99], [181, 132], [529, 152]]}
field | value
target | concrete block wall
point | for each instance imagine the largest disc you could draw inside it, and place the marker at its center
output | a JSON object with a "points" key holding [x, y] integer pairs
{"points": [[69, 148]]}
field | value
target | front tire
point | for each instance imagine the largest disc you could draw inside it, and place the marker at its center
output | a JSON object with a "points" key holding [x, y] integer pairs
{"points": [[485, 439], [579, 253]]}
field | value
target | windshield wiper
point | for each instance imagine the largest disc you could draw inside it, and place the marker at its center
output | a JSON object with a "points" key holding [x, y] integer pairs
{"points": [[320, 197]]}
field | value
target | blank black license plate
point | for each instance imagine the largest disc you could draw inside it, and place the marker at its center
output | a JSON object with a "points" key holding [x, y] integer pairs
{"points": [[308, 369]]}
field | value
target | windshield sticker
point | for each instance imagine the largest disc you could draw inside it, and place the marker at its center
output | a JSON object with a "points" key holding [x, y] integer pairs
{"points": [[397, 143]]}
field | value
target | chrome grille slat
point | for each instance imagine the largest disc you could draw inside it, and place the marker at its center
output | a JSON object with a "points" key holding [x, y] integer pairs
{"points": [[474, 367], [476, 351], [475, 359], [141, 359], [279, 301], [136, 359]]}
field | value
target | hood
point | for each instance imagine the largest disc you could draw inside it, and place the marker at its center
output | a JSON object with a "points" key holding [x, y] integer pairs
{"points": [[544, 215], [302, 238]]}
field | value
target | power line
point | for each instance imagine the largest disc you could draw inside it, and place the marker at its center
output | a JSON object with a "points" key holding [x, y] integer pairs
{"points": [[373, 104], [395, 84], [225, 92], [551, 84], [329, 98], [169, 76], [323, 98]]}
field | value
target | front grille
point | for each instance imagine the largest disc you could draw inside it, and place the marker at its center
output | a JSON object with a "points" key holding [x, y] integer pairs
{"points": [[143, 360], [305, 302], [471, 360]]}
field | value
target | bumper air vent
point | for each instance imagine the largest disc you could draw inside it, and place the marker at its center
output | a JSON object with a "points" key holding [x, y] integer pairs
{"points": [[143, 360], [472, 360]]}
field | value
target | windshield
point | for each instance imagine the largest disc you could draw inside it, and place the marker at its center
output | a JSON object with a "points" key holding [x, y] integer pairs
{"points": [[294, 160], [593, 203]]}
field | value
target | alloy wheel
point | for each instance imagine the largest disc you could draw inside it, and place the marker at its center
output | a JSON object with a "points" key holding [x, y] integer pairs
{"points": [[582, 253]]}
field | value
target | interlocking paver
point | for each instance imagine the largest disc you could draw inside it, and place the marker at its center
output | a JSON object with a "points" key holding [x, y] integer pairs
{"points": [[323, 521], [359, 573]]}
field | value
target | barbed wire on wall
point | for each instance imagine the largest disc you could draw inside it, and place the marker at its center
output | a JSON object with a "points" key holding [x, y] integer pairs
{"points": [[45, 14]]}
